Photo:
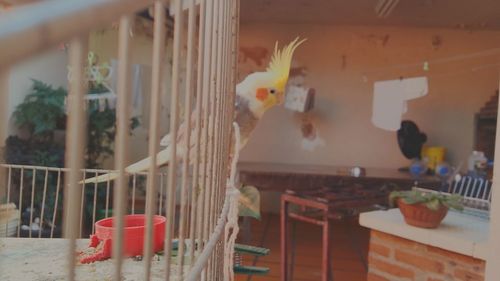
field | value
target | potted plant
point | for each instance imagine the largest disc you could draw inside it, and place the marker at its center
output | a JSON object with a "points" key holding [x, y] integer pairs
{"points": [[39, 119], [424, 209], [41, 122]]}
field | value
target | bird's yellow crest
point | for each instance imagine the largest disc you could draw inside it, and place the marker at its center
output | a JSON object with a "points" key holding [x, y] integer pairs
{"points": [[281, 61]]}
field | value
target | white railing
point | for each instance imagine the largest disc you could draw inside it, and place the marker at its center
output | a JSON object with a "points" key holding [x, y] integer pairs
{"points": [[210, 80], [37, 193]]}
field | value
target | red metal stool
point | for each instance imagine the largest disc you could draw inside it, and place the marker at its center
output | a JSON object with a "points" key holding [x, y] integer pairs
{"points": [[286, 200], [321, 205]]}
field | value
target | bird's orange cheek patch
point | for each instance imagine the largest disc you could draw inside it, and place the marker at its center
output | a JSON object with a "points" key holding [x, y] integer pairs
{"points": [[261, 94]]}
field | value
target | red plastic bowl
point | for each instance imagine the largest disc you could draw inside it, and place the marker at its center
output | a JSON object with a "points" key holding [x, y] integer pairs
{"points": [[133, 234]]}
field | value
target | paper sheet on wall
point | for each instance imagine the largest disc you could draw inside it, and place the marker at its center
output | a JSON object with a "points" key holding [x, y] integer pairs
{"points": [[299, 98], [390, 100]]}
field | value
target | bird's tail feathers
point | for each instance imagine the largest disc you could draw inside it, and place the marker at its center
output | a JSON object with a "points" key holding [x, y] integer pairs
{"points": [[162, 158]]}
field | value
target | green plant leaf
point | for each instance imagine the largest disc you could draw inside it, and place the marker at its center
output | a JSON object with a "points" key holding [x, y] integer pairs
{"points": [[393, 196], [433, 204], [411, 200], [454, 201], [249, 203], [431, 199]]}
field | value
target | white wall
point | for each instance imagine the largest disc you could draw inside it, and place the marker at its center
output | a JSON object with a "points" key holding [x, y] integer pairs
{"points": [[338, 57], [105, 44], [50, 68]]}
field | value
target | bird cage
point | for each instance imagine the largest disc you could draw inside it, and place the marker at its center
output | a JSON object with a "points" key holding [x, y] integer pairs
{"points": [[201, 224]]}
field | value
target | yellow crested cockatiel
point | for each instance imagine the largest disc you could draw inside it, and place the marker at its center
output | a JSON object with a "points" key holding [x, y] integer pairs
{"points": [[256, 94]]}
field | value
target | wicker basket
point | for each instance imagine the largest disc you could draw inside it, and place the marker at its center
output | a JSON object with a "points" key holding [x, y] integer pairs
{"points": [[420, 216]]}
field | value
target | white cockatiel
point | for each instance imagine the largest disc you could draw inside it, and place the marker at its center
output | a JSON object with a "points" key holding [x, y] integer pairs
{"points": [[256, 94]]}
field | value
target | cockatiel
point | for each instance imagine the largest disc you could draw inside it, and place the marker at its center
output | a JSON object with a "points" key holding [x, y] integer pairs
{"points": [[256, 94]]}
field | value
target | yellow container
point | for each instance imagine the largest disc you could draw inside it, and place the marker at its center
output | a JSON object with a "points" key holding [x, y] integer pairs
{"points": [[434, 155]]}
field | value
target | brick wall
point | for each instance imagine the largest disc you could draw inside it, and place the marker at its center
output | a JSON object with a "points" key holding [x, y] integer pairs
{"points": [[392, 258]]}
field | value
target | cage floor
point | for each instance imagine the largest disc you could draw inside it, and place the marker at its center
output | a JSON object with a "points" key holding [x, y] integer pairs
{"points": [[349, 250], [45, 259]]}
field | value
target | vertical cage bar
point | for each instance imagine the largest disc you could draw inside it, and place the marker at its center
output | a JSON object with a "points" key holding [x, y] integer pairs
{"points": [[223, 131], [212, 127], [220, 260], [211, 265], [206, 113], [226, 150], [221, 154], [205, 108], [187, 133], [224, 93], [216, 152], [236, 43], [213, 116], [217, 131], [220, 132], [151, 192], [230, 85], [210, 121], [216, 261], [174, 115], [120, 193], [233, 45], [75, 144], [231, 77], [209, 133], [234, 57], [195, 204]]}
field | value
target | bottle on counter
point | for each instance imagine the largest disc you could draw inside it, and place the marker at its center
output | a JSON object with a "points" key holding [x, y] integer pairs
{"points": [[477, 164]]}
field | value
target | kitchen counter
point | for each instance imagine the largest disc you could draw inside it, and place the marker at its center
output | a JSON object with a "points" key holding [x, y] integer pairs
{"points": [[459, 233], [279, 176], [457, 249]]}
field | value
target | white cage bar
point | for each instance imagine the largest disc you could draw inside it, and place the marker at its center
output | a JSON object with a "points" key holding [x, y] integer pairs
{"points": [[200, 145]]}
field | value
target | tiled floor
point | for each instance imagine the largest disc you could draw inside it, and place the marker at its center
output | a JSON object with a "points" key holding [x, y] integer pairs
{"points": [[349, 250]]}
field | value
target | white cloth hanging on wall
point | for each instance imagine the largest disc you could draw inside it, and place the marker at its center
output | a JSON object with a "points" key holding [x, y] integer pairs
{"points": [[390, 100], [387, 110], [137, 98], [137, 86]]}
